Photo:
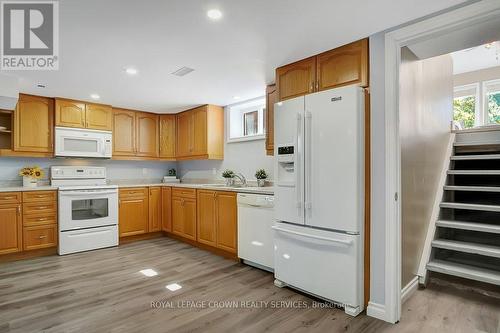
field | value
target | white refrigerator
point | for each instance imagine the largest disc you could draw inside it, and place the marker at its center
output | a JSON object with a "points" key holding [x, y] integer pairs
{"points": [[319, 195]]}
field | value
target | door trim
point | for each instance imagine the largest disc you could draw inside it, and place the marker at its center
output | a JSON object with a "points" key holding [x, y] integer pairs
{"points": [[455, 19]]}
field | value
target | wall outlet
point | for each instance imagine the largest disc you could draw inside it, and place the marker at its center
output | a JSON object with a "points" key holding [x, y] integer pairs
{"points": [[214, 171], [144, 171]]}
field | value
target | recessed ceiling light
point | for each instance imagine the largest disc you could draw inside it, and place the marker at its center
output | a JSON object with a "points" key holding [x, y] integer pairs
{"points": [[173, 286], [214, 14], [131, 70], [236, 97], [94, 96]]}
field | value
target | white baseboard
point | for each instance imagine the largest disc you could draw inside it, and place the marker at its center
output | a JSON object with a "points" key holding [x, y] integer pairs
{"points": [[409, 289], [376, 310]]}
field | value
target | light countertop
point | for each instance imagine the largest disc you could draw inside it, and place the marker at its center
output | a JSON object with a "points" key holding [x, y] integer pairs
{"points": [[269, 190]]}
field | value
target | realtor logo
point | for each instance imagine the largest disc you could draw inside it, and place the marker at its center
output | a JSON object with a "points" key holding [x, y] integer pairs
{"points": [[30, 35]]}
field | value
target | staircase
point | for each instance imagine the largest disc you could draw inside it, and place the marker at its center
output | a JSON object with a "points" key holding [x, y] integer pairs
{"points": [[467, 235]]}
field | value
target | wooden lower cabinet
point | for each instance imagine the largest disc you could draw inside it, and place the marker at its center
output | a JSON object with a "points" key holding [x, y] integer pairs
{"points": [[184, 216], [207, 217], [166, 224], [39, 237], [227, 221], [11, 239], [133, 212], [217, 219], [155, 209]]}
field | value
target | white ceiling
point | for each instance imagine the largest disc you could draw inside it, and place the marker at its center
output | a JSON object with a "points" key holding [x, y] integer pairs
{"points": [[235, 56], [476, 58]]}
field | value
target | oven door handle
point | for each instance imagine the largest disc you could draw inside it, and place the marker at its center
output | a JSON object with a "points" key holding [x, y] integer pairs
{"points": [[80, 194]]}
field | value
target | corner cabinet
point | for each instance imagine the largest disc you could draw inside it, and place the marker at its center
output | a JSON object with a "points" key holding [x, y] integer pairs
{"points": [[342, 66], [83, 115], [271, 98], [167, 136], [200, 133], [33, 124]]}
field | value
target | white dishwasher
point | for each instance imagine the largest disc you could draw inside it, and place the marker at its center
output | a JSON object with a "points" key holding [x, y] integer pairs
{"points": [[255, 233]]}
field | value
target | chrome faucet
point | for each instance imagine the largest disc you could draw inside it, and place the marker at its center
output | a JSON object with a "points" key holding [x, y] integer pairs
{"points": [[242, 179]]}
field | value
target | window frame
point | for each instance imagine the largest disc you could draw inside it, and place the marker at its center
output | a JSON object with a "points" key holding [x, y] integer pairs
{"points": [[478, 113], [262, 107], [484, 93]]}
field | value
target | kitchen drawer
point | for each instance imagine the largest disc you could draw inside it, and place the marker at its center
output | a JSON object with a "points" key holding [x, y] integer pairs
{"points": [[39, 219], [39, 237], [38, 208], [10, 197], [37, 196], [184, 192], [133, 192]]}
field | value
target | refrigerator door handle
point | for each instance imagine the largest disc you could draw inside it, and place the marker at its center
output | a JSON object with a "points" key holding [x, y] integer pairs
{"points": [[334, 240], [308, 164], [298, 187]]}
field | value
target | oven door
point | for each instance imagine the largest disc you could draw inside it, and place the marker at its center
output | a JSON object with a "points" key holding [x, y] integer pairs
{"points": [[76, 142], [80, 209]]}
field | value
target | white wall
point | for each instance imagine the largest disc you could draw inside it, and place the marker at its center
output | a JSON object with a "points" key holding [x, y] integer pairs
{"points": [[245, 157], [378, 190], [425, 113], [116, 170]]}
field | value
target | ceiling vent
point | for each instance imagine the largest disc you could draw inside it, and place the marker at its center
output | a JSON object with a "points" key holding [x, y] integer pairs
{"points": [[183, 71]]}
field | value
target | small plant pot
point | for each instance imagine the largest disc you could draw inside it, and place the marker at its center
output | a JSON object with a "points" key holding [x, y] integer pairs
{"points": [[261, 182], [29, 181], [229, 181]]}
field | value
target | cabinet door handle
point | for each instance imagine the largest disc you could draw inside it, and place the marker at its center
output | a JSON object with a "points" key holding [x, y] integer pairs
{"points": [[311, 87], [317, 85], [19, 210]]}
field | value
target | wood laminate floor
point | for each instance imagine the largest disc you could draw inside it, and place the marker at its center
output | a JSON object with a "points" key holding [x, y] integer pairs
{"points": [[103, 291]]}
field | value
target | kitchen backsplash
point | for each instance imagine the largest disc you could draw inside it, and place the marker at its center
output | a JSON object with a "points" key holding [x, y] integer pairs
{"points": [[116, 170]]}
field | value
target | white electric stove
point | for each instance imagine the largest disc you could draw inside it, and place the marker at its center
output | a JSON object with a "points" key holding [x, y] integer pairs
{"points": [[88, 208]]}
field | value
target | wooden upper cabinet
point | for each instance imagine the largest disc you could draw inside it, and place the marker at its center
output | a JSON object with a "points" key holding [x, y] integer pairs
{"points": [[167, 136], [343, 66], [147, 134], [271, 98], [99, 117], [11, 239], [155, 209], [200, 133], [199, 130], [296, 79], [184, 134], [123, 133], [70, 113], [33, 124], [207, 217], [227, 221]]}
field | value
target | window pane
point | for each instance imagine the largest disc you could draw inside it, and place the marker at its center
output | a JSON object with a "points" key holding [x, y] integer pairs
{"points": [[493, 100], [464, 111], [251, 123]]}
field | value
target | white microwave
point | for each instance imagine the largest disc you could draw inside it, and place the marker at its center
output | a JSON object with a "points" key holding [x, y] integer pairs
{"points": [[77, 142]]}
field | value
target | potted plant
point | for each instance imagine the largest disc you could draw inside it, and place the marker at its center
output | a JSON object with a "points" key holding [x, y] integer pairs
{"points": [[31, 175], [228, 175], [261, 176]]}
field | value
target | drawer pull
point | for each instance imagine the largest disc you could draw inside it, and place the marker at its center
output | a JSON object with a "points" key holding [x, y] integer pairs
{"points": [[42, 237], [43, 207], [8, 198], [42, 219], [41, 196]]}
